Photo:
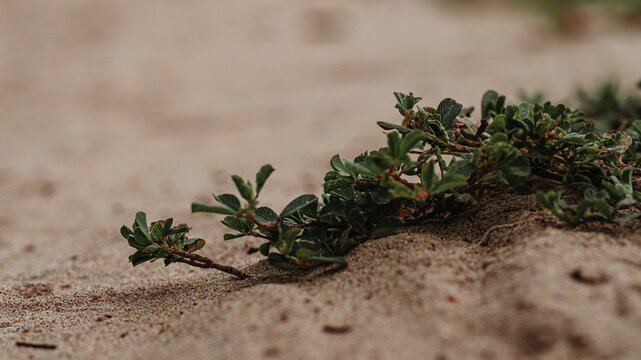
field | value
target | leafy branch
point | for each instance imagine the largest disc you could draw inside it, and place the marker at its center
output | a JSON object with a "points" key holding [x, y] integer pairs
{"points": [[164, 241]]}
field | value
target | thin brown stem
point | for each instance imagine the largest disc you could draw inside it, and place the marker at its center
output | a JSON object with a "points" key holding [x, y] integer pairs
{"points": [[459, 148], [397, 176], [206, 263], [481, 128]]}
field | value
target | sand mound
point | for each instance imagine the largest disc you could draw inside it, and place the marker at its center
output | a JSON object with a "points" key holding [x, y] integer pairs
{"points": [[471, 287]]}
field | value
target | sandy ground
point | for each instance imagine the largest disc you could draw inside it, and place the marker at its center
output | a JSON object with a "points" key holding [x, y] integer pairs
{"points": [[108, 107]]}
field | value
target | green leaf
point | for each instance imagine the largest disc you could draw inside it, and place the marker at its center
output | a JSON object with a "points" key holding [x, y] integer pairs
{"points": [[357, 221], [229, 200], [628, 217], [428, 176], [603, 207], [199, 208], [157, 231], [306, 203], [519, 167], [140, 239], [389, 126], [626, 176], [625, 202], [262, 176], [139, 257], [513, 165], [286, 240], [394, 144], [450, 181], [339, 166], [304, 254], [411, 140], [233, 236], [152, 249], [281, 262], [178, 229], [264, 248], [168, 223], [132, 242], [396, 188], [239, 224], [448, 110], [488, 99], [488, 103], [265, 215], [126, 232], [141, 221], [405, 103], [362, 169], [244, 188], [193, 244], [499, 137]]}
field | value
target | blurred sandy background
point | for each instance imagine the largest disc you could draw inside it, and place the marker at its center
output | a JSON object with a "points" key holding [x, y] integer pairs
{"points": [[108, 107]]}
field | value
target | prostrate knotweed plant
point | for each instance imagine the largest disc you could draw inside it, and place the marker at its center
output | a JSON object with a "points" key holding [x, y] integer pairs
{"points": [[437, 162]]}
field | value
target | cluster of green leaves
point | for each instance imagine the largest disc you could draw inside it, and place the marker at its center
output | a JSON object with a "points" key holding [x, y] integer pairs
{"points": [[597, 204], [437, 162], [520, 146], [609, 107], [564, 15], [160, 240], [287, 232]]}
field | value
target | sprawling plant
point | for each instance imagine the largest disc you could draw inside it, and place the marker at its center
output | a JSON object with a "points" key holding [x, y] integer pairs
{"points": [[437, 162]]}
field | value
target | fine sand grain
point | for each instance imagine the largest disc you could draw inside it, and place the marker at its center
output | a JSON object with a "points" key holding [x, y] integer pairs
{"points": [[108, 107]]}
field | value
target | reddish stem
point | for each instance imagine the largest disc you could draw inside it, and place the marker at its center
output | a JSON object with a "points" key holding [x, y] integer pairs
{"points": [[206, 263]]}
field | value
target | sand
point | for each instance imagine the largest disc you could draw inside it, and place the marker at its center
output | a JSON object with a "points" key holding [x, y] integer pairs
{"points": [[109, 107]]}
